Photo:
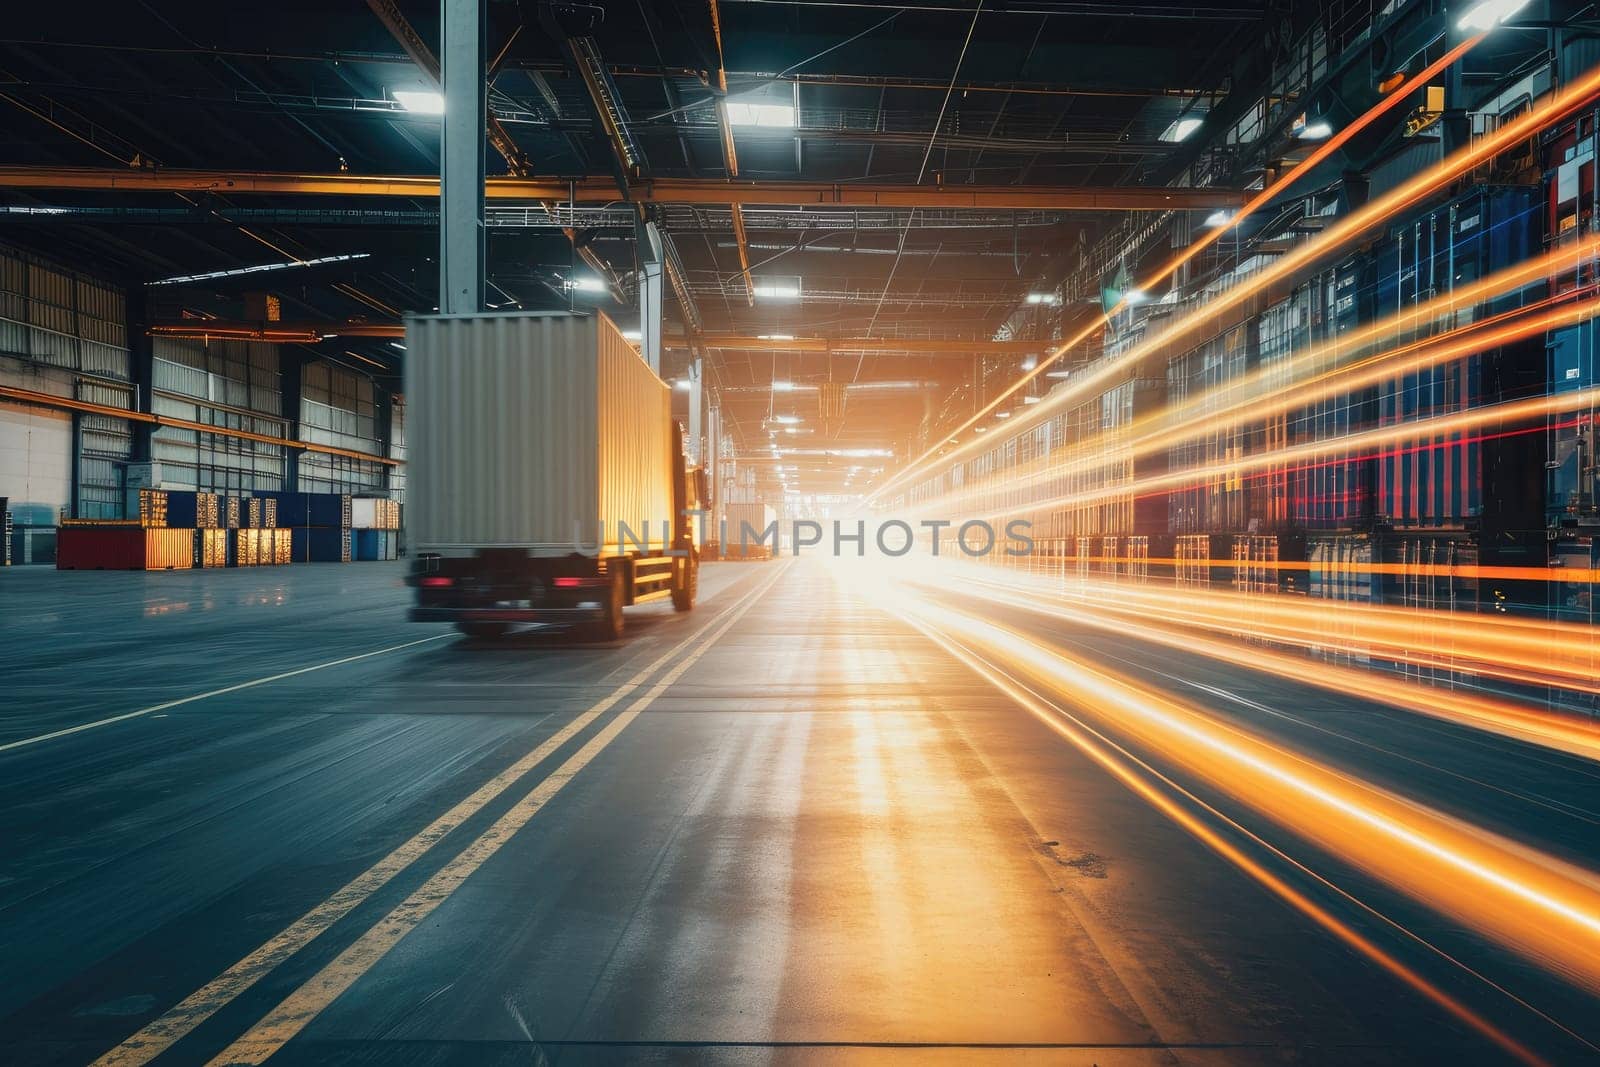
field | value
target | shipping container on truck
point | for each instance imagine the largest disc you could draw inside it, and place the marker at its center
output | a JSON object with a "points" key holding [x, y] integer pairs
{"points": [[547, 480]]}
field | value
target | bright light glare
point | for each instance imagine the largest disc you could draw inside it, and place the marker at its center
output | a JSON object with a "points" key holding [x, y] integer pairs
{"points": [[1135, 296], [774, 337], [777, 292], [1043, 298], [1181, 128], [1030, 400], [783, 387], [1489, 14], [632, 335], [787, 420], [587, 284], [775, 116], [424, 103], [1029, 363], [684, 385], [1218, 219], [1316, 131]]}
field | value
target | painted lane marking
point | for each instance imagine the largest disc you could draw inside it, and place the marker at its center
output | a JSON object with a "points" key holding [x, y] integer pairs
{"points": [[161, 1033], [125, 716], [298, 1009]]}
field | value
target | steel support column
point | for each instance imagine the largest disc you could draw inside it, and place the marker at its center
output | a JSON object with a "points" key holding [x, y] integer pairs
{"points": [[291, 368], [696, 400], [650, 294], [461, 166]]}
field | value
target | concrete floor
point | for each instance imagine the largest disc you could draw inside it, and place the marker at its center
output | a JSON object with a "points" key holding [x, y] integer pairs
{"points": [[785, 827]]}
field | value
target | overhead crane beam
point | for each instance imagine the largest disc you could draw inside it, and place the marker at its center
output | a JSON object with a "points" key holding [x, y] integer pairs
{"points": [[708, 191], [312, 332]]}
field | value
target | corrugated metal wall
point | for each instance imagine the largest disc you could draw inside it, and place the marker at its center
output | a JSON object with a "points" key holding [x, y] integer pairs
{"points": [[63, 334], [340, 408], [61, 319], [232, 384]]}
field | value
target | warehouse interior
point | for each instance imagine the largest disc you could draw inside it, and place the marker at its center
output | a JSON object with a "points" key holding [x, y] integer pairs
{"points": [[1257, 337]]}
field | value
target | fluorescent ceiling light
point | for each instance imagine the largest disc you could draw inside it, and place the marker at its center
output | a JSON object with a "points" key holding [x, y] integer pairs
{"points": [[787, 420], [587, 284], [423, 103], [980, 429], [1043, 298], [632, 335], [397, 344], [1002, 414], [1181, 128], [783, 387], [1218, 219], [1029, 363], [1058, 374], [777, 292], [772, 116], [774, 337], [1489, 14], [1316, 131], [184, 279], [684, 385], [1030, 400]]}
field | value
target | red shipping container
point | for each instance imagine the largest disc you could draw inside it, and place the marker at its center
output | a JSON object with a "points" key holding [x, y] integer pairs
{"points": [[123, 548]]}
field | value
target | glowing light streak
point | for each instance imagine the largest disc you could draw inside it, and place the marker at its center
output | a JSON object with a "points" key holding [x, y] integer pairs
{"points": [[1108, 607], [1332, 238], [1544, 909]]}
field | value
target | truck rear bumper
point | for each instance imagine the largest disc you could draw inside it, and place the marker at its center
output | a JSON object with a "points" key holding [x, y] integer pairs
{"points": [[435, 614]]}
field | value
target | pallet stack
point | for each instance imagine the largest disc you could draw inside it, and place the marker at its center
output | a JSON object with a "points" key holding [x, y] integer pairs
{"points": [[153, 508]]}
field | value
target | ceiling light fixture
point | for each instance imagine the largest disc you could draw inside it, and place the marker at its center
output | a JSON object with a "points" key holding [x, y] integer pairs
{"points": [[423, 103], [1181, 129], [776, 292], [1489, 14], [771, 116]]}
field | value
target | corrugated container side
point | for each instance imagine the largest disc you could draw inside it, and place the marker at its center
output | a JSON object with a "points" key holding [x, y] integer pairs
{"points": [[635, 454], [512, 419]]}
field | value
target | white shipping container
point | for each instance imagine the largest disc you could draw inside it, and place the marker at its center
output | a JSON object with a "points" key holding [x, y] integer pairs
{"points": [[527, 428]]}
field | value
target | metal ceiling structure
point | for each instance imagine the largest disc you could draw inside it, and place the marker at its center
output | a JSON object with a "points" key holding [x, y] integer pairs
{"points": [[847, 192]]}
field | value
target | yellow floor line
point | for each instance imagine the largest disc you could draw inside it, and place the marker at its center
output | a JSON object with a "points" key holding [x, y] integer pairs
{"points": [[306, 1003], [160, 1034]]}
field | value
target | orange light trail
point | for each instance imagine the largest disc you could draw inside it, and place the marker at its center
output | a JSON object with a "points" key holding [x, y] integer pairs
{"points": [[1536, 651], [1276, 390], [1533, 904], [1359, 222], [1353, 443], [1127, 770], [1106, 606]]}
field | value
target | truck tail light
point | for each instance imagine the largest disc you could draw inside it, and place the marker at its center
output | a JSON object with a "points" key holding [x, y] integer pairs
{"points": [[437, 582], [568, 583]]}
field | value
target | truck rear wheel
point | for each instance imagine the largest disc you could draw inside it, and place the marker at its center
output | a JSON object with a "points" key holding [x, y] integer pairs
{"points": [[686, 583]]}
